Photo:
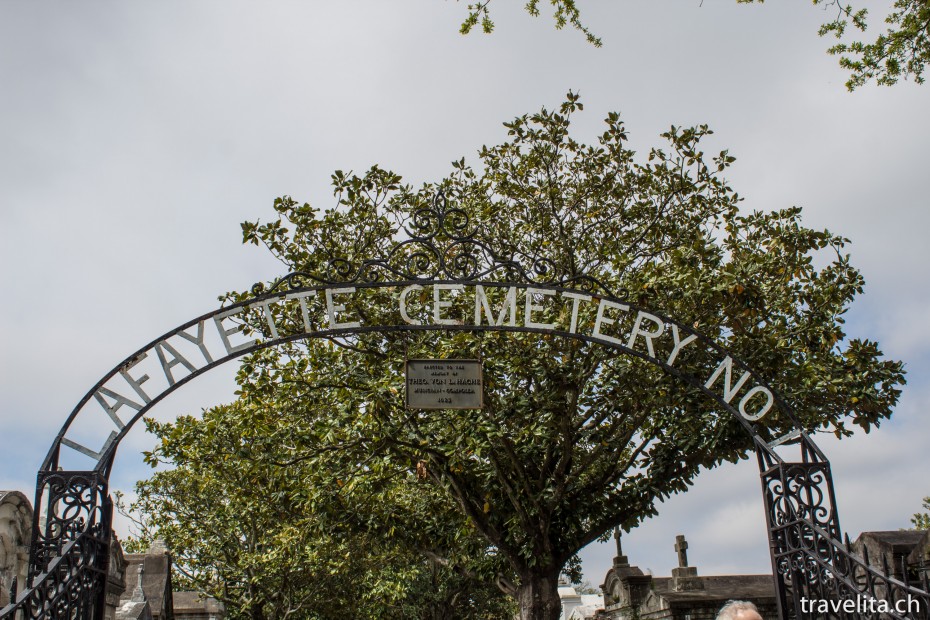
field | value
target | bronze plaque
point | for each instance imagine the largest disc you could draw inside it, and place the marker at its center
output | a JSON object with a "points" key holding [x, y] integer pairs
{"points": [[444, 384]]}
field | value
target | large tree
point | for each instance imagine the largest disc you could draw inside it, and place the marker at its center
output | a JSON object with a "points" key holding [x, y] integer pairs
{"points": [[574, 439], [902, 51]]}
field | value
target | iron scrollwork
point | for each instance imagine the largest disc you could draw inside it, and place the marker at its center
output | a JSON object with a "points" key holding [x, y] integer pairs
{"points": [[76, 500], [69, 556], [440, 244], [809, 560]]}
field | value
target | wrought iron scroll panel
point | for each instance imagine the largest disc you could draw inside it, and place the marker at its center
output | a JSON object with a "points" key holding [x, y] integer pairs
{"points": [[69, 555], [810, 560], [70, 550]]}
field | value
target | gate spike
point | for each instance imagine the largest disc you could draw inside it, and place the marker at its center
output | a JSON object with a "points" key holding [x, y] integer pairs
{"points": [[848, 546], [907, 581], [885, 565], [865, 554]]}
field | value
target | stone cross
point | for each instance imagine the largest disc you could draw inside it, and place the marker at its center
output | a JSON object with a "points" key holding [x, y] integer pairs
{"points": [[681, 546], [617, 538]]}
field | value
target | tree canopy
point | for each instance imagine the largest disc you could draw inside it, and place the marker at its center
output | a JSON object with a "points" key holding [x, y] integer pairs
{"points": [[574, 439], [902, 52], [565, 12], [921, 520], [275, 539]]}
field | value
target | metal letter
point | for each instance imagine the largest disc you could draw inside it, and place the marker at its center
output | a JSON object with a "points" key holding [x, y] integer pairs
{"points": [[601, 319], [575, 297], [679, 344], [531, 307], [226, 333], [87, 451], [111, 409], [269, 318], [648, 336], [176, 358], [304, 313], [752, 417], [439, 305], [136, 384], [332, 308], [198, 340], [481, 302], [403, 304], [728, 391]]}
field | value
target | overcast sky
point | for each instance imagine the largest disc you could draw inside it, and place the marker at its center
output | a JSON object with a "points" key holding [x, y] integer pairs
{"points": [[135, 137]]}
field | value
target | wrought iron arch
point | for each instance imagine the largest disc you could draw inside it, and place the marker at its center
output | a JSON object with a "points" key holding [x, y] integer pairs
{"points": [[102, 398], [69, 553]]}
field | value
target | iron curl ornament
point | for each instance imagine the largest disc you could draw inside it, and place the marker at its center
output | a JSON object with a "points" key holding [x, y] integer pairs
{"points": [[440, 243]]}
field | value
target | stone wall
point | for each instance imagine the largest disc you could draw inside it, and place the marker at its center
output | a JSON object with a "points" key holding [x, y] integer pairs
{"points": [[15, 536]]}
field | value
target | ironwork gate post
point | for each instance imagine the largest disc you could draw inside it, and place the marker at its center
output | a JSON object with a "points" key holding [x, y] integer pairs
{"points": [[810, 561], [803, 522], [70, 551]]}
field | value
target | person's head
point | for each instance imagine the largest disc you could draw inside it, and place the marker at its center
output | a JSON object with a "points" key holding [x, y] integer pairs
{"points": [[739, 610]]}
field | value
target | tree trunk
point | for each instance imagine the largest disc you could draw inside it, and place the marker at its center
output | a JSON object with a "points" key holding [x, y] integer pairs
{"points": [[538, 596]]}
